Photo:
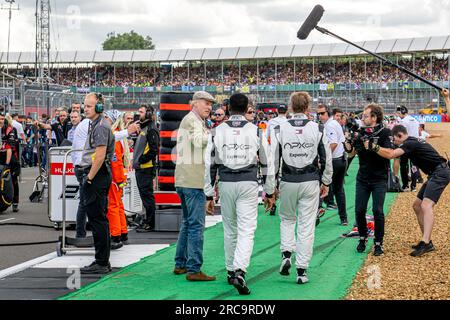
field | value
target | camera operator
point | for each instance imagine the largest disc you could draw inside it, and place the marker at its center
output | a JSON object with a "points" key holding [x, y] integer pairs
{"points": [[60, 128], [336, 139], [95, 165], [144, 162], [427, 159], [372, 175]]}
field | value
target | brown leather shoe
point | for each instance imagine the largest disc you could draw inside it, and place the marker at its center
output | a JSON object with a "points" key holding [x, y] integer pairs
{"points": [[179, 271], [199, 276]]}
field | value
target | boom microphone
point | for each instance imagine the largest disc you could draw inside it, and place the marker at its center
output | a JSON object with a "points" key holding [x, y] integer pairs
{"points": [[310, 22], [314, 18]]}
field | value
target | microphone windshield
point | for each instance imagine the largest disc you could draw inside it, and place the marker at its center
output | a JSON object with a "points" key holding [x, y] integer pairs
{"points": [[310, 22]]}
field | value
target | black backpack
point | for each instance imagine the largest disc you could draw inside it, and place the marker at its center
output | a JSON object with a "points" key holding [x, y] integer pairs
{"points": [[393, 183]]}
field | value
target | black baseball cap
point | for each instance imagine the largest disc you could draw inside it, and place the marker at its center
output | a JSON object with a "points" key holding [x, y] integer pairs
{"points": [[282, 109]]}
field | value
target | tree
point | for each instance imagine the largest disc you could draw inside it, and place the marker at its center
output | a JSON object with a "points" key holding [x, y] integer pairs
{"points": [[127, 41]]}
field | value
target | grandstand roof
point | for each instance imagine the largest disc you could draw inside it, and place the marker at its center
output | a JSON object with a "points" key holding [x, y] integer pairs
{"points": [[425, 44]]}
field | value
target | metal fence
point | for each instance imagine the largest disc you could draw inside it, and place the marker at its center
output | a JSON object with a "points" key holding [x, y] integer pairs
{"points": [[33, 100]]}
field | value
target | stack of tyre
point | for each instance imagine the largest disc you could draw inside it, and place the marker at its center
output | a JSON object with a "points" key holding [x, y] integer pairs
{"points": [[173, 107]]}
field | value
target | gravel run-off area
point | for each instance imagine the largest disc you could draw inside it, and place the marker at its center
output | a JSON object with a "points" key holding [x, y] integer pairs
{"points": [[397, 275]]}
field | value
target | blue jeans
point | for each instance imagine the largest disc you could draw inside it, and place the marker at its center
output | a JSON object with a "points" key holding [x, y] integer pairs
{"points": [[189, 252]]}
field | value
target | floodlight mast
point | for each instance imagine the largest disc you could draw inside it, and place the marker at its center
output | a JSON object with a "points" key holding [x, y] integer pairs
{"points": [[10, 9]]}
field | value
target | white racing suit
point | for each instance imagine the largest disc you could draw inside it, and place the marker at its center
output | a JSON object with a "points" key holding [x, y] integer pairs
{"points": [[233, 150], [307, 162]]}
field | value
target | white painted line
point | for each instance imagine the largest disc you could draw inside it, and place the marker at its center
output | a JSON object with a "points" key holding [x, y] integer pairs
{"points": [[28, 264], [7, 220], [120, 258]]}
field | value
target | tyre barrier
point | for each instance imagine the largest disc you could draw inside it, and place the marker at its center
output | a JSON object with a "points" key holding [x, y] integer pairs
{"points": [[166, 180], [167, 158], [175, 106], [168, 142], [169, 125]]}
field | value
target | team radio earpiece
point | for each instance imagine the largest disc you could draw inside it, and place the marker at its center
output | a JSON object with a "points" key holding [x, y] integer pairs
{"points": [[99, 107]]}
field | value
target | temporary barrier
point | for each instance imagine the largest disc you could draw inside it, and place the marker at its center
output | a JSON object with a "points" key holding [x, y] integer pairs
{"points": [[131, 199], [71, 188]]}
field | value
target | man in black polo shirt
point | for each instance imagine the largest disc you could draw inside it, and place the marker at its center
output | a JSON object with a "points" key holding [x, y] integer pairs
{"points": [[427, 159], [61, 127]]}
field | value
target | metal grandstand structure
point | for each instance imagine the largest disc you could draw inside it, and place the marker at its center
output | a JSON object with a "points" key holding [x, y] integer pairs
{"points": [[390, 46], [313, 54]]}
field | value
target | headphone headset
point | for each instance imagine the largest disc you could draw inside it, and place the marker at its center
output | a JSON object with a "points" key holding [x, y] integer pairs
{"points": [[99, 107], [402, 109]]}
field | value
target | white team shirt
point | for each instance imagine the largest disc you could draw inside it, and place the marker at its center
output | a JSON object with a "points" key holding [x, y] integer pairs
{"points": [[275, 122], [335, 134], [79, 140], [424, 136], [18, 128], [411, 125]]}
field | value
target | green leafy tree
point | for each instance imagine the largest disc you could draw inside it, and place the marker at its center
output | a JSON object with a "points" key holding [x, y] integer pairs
{"points": [[127, 41]]}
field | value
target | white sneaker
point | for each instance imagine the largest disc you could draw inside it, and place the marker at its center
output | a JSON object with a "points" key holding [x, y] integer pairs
{"points": [[302, 277]]}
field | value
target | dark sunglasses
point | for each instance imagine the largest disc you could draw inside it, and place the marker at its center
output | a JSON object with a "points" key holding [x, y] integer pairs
{"points": [[321, 113], [219, 114], [250, 112]]}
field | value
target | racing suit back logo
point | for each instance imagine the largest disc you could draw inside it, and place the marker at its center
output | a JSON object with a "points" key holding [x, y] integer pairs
{"points": [[298, 145], [236, 146]]}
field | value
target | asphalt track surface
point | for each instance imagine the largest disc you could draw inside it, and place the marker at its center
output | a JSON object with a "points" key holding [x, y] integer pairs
{"points": [[30, 213]]}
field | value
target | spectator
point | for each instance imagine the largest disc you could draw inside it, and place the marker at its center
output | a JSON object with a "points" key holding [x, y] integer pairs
{"points": [[75, 119], [30, 139], [219, 117], [250, 114]]}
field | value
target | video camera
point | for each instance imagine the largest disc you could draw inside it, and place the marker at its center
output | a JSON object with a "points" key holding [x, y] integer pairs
{"points": [[358, 138]]}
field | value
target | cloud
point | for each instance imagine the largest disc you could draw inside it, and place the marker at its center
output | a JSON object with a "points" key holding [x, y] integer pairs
{"points": [[84, 24]]}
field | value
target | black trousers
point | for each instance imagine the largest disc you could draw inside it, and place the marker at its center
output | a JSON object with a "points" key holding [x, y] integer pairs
{"points": [[337, 187], [405, 169], [349, 162], [378, 191], [15, 181], [144, 179], [81, 212], [95, 197], [15, 173]]}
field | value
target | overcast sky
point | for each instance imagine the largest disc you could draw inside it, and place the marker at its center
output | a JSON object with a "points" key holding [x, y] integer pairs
{"points": [[84, 24]]}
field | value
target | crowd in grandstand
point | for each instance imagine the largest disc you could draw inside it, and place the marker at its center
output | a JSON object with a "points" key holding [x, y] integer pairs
{"points": [[266, 73]]}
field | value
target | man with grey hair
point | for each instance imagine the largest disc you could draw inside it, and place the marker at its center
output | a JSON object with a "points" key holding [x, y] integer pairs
{"points": [[192, 140]]}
